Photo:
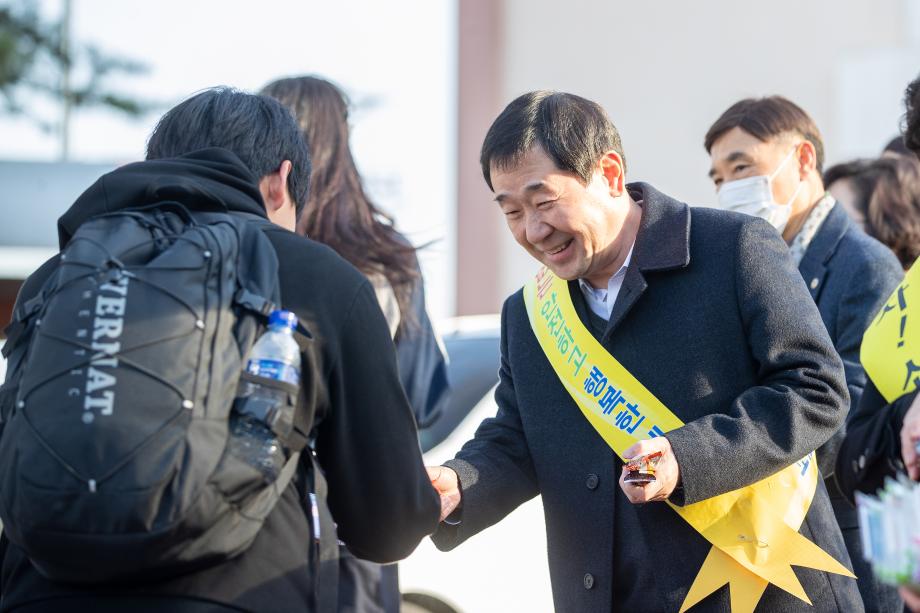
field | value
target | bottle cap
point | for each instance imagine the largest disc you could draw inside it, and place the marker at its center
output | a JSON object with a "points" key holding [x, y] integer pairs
{"points": [[284, 319]]}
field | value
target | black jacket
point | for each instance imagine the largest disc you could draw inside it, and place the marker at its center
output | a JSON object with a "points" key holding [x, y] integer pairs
{"points": [[871, 451], [714, 319], [379, 493]]}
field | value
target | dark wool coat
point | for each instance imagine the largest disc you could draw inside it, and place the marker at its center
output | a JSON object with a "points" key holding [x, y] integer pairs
{"points": [[715, 320]]}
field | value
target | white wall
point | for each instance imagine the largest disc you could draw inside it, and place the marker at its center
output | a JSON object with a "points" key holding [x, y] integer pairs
{"points": [[397, 57], [666, 70]]}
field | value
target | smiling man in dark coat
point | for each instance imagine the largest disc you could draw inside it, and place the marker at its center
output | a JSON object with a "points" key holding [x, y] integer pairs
{"points": [[703, 307]]}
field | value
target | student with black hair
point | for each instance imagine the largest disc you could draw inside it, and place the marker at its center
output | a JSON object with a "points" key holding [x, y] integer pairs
{"points": [[231, 152]]}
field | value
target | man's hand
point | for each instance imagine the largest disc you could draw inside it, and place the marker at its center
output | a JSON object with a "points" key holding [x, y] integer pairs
{"points": [[911, 598], [910, 435], [445, 481], [667, 473]]}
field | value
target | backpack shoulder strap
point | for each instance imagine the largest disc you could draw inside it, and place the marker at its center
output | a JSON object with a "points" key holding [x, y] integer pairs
{"points": [[22, 317]]}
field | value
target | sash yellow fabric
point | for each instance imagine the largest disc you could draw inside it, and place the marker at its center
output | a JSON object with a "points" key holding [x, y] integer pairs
{"points": [[890, 350], [753, 530]]}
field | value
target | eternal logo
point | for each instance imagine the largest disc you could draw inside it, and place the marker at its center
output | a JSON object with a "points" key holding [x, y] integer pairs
{"points": [[108, 325]]}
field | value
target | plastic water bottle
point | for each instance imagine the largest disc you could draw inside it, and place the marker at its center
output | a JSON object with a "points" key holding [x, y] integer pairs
{"points": [[261, 411]]}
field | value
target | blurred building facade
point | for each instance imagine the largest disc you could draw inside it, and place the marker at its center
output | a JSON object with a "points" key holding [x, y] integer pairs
{"points": [[665, 71], [32, 197]]}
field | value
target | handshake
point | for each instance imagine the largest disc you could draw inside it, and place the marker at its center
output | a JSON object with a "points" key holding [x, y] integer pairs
{"points": [[446, 482], [667, 477]]}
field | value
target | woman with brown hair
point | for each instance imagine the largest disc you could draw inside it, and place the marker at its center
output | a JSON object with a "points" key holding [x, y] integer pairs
{"points": [[339, 214], [883, 197]]}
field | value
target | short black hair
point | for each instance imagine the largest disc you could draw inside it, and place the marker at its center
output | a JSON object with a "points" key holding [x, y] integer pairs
{"points": [[573, 131], [260, 130], [912, 116], [767, 118]]}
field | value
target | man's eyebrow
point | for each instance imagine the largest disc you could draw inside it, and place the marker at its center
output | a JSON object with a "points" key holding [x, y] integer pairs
{"points": [[535, 186], [734, 156]]}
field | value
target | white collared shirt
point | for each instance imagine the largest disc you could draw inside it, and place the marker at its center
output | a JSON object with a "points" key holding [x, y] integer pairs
{"points": [[601, 301]]}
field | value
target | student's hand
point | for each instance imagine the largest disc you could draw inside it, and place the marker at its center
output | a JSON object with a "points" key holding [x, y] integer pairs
{"points": [[911, 598], [910, 435], [667, 473], [445, 481]]}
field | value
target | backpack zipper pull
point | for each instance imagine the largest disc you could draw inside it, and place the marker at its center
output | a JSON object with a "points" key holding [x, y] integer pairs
{"points": [[314, 508]]}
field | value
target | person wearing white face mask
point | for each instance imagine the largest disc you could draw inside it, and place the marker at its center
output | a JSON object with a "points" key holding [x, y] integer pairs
{"points": [[754, 196], [766, 160]]}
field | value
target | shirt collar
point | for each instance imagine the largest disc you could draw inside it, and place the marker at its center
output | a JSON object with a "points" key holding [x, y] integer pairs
{"points": [[810, 228], [601, 292]]}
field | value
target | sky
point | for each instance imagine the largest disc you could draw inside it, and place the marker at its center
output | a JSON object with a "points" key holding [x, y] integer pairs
{"points": [[395, 59]]}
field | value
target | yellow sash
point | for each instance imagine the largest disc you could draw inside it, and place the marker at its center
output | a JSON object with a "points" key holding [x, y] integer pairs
{"points": [[753, 530], [890, 350]]}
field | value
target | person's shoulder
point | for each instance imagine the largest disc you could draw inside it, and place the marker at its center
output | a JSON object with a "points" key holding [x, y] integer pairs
{"points": [[719, 220], [35, 281], [859, 251], [514, 307], [319, 256], [716, 234], [313, 271]]}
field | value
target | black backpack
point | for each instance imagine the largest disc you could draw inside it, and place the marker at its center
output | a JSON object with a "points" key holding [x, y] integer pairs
{"points": [[122, 374]]}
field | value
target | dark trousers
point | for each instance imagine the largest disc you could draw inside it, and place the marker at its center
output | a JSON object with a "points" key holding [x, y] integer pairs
{"points": [[366, 587]]}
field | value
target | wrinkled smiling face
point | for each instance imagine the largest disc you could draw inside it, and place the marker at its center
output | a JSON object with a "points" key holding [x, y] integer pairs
{"points": [[559, 220]]}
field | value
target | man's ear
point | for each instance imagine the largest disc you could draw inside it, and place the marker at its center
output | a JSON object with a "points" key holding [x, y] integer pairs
{"points": [[807, 159], [274, 188], [613, 170]]}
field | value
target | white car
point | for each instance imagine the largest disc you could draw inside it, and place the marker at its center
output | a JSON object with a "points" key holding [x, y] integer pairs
{"points": [[505, 567]]}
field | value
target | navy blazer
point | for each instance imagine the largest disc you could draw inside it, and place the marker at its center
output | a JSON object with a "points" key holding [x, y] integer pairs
{"points": [[849, 275], [715, 320]]}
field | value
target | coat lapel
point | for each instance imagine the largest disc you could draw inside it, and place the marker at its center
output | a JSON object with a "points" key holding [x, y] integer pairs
{"points": [[662, 243], [823, 246]]}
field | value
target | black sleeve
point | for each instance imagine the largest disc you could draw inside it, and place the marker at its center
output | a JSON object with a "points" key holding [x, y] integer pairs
{"points": [[422, 365], [495, 468], [379, 492], [871, 450]]}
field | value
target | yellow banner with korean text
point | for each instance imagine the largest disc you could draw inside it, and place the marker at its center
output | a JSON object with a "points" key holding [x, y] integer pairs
{"points": [[890, 350], [753, 530]]}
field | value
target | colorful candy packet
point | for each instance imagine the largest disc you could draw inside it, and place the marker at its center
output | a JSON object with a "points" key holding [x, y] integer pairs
{"points": [[641, 469], [890, 530]]}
